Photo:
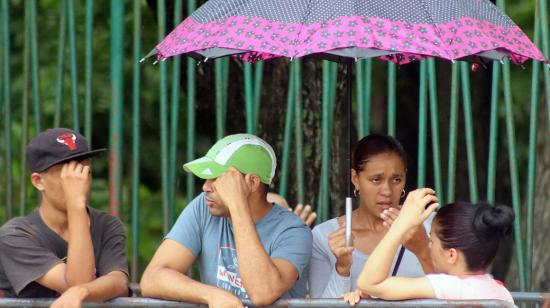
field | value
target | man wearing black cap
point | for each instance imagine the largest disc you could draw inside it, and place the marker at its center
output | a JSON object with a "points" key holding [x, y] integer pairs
{"points": [[64, 247]]}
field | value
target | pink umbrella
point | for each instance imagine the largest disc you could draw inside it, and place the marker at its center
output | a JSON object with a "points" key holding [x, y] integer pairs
{"points": [[398, 31]]}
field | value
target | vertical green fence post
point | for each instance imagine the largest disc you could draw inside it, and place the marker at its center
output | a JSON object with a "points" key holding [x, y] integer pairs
{"points": [[249, 97], [176, 88], [73, 62], [5, 20], [298, 131], [469, 129], [422, 125], [360, 98], [330, 71], [368, 92], [27, 46], [453, 130], [60, 69], [191, 5], [510, 133], [323, 195], [34, 64], [511, 139], [136, 135], [333, 78], [163, 111], [392, 113], [493, 134], [434, 126], [543, 7], [220, 71], [115, 148], [258, 77], [88, 70], [225, 87], [287, 135], [531, 165]]}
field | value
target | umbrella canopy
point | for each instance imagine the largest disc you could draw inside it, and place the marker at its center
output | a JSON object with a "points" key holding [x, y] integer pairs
{"points": [[398, 31]]}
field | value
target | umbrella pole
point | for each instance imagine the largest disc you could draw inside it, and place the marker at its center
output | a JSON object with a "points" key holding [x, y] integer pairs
{"points": [[349, 82], [348, 204]]}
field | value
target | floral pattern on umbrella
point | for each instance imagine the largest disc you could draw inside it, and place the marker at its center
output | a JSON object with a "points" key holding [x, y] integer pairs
{"points": [[210, 34]]}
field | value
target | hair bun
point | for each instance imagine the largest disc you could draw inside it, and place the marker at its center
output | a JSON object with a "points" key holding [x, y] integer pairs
{"points": [[491, 222]]}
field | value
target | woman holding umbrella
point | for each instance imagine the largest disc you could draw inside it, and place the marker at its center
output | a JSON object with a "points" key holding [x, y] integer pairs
{"points": [[379, 166]]}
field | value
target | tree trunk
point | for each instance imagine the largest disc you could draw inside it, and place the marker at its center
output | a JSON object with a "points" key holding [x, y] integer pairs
{"points": [[541, 229], [540, 276]]}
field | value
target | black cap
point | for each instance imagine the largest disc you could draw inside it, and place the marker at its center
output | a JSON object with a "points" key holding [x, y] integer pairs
{"points": [[55, 146]]}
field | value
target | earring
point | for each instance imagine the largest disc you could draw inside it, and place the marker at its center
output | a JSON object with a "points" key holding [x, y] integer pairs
{"points": [[356, 192], [403, 193]]}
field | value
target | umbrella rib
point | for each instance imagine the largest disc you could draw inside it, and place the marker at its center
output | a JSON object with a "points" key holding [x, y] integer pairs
{"points": [[434, 24]]}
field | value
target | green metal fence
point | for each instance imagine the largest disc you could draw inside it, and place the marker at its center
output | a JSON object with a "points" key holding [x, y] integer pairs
{"points": [[25, 83]]}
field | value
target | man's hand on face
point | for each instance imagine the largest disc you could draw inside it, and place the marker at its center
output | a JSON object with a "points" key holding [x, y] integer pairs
{"points": [[233, 188], [76, 178]]}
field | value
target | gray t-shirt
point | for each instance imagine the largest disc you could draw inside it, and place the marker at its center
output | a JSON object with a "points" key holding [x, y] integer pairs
{"points": [[29, 249], [210, 238], [324, 280]]}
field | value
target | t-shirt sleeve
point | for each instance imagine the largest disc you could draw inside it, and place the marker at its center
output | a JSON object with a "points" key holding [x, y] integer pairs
{"points": [[188, 228], [324, 281], [294, 245], [23, 258], [446, 286], [113, 250]]}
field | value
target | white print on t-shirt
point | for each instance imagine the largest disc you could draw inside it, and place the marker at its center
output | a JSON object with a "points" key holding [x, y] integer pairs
{"points": [[228, 272]]}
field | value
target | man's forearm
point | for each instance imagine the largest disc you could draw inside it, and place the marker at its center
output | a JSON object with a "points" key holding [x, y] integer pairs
{"points": [[80, 251], [261, 278], [170, 284], [106, 287]]}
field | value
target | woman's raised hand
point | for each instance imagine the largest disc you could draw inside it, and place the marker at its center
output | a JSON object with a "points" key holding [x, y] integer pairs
{"points": [[343, 253], [415, 240], [418, 206]]}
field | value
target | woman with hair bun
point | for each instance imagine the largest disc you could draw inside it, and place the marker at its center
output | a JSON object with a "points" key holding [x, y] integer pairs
{"points": [[464, 242]]}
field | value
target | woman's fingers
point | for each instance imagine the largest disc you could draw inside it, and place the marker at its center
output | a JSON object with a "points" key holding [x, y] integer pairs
{"points": [[421, 198], [389, 216], [431, 208], [352, 298], [305, 212], [337, 238], [298, 209], [311, 218], [347, 250], [392, 213], [340, 231]]}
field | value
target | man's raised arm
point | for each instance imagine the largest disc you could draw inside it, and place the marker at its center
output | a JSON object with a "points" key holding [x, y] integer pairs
{"points": [[265, 279]]}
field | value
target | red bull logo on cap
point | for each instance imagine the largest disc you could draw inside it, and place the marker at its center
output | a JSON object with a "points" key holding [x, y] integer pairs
{"points": [[68, 139]]}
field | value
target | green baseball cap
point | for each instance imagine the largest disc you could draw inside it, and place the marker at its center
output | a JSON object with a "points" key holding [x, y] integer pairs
{"points": [[247, 153]]}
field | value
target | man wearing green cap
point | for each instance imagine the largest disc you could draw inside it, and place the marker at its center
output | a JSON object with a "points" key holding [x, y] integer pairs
{"points": [[248, 248]]}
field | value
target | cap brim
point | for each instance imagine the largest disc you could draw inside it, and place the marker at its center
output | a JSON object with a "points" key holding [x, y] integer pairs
{"points": [[74, 157], [205, 168]]}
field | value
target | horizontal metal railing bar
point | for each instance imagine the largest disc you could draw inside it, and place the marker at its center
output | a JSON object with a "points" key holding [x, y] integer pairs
{"points": [[148, 302], [530, 296]]}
